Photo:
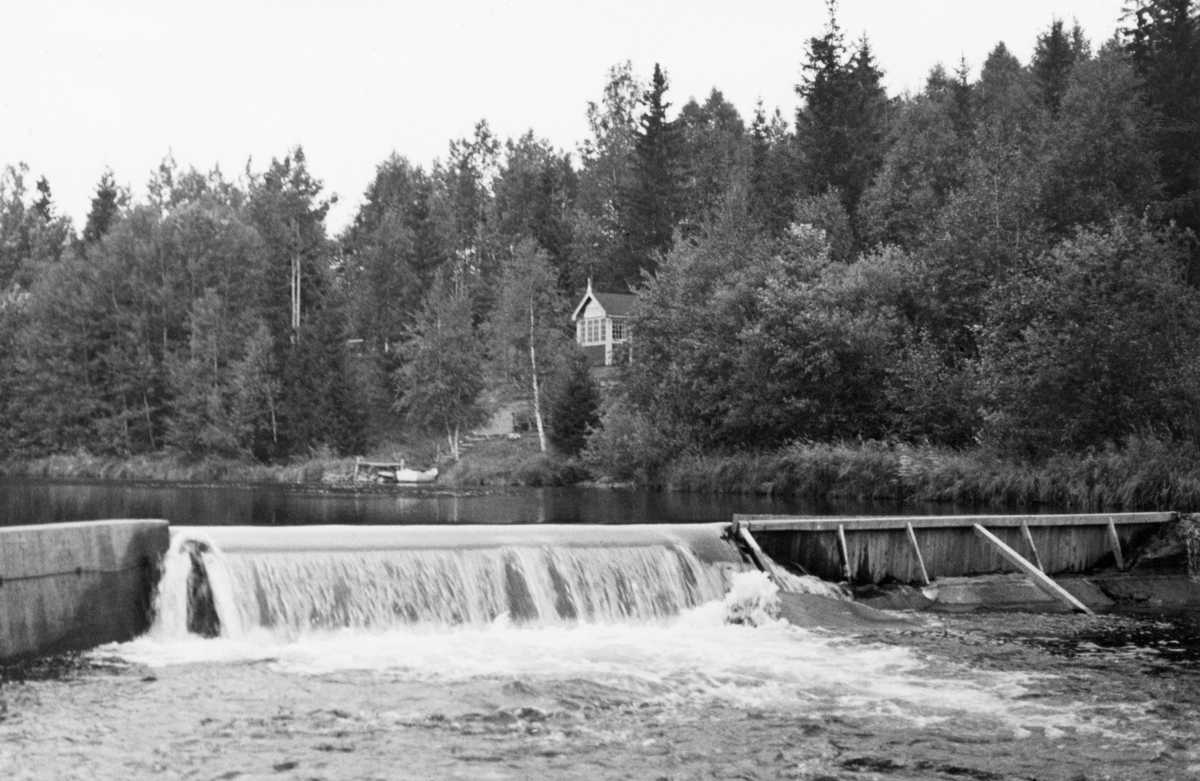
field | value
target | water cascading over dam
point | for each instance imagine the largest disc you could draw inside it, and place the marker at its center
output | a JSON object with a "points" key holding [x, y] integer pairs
{"points": [[230, 581]]}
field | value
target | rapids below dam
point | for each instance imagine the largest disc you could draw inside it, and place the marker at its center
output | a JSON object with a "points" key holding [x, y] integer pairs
{"points": [[541, 651]]}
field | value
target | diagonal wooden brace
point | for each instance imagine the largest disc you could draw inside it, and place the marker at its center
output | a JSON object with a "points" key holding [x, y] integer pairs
{"points": [[1039, 578]]}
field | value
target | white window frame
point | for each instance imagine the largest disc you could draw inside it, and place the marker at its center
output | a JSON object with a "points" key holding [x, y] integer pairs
{"points": [[592, 330], [620, 330]]}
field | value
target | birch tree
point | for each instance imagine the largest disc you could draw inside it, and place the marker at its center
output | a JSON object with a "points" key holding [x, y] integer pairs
{"points": [[527, 326], [441, 375]]}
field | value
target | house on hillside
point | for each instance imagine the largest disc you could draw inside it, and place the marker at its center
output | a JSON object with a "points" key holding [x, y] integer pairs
{"points": [[601, 322]]}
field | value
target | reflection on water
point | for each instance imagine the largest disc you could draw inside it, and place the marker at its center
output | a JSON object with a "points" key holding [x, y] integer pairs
{"points": [[25, 501]]}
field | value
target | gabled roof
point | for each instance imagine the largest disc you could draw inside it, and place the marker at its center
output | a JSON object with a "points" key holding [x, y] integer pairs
{"points": [[616, 304], [613, 304]]}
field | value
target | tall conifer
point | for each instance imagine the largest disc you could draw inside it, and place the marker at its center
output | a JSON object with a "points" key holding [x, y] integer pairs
{"points": [[774, 180], [652, 203], [105, 207], [1056, 53], [841, 127], [1164, 41]]}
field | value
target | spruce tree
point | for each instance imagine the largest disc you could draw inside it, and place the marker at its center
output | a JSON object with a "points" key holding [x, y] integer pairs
{"points": [[841, 128], [1164, 41], [960, 95], [1053, 58], [774, 180], [43, 207], [574, 408], [105, 208], [867, 124], [651, 205]]}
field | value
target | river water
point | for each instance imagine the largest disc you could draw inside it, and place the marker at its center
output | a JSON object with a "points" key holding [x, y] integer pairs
{"points": [[24, 500], [680, 695]]}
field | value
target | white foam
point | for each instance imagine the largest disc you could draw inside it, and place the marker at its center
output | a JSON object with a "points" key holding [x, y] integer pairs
{"points": [[729, 648], [296, 591], [695, 657]]}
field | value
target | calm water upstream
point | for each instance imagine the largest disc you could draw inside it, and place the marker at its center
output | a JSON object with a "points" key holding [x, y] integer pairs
{"points": [[24, 501]]}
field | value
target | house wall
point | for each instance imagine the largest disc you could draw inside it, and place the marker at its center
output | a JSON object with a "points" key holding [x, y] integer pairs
{"points": [[593, 309]]}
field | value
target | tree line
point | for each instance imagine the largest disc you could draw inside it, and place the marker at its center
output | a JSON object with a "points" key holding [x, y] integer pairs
{"points": [[1007, 259]]}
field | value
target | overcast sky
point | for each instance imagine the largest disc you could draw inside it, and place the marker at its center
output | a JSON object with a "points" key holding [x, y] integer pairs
{"points": [[119, 84]]}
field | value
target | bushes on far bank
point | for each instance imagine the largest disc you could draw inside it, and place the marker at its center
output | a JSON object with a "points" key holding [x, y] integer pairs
{"points": [[1146, 473], [864, 471], [518, 462], [496, 463], [322, 468]]}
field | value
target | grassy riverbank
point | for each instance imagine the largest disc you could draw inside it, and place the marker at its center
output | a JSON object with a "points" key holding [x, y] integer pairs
{"points": [[1144, 474], [498, 462], [514, 462], [168, 468]]}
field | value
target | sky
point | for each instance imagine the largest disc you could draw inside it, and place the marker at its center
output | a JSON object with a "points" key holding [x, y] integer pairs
{"points": [[86, 86]]}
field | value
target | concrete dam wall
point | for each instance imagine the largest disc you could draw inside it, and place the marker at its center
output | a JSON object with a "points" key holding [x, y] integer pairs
{"points": [[71, 586]]}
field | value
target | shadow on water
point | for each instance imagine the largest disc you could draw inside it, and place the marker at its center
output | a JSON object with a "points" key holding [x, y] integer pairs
{"points": [[36, 501], [58, 667], [1157, 641]]}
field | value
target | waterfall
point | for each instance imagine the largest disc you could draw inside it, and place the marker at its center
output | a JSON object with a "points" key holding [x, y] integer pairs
{"points": [[388, 577]]}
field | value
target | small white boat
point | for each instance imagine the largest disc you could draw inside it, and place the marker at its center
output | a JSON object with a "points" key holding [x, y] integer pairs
{"points": [[414, 476]]}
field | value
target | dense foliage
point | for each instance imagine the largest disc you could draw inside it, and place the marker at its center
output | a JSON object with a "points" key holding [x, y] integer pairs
{"points": [[1007, 259]]}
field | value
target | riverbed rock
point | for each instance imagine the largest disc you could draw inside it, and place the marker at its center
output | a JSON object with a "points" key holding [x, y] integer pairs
{"points": [[1010, 591], [1004, 590], [813, 610], [1163, 588], [1087, 591]]}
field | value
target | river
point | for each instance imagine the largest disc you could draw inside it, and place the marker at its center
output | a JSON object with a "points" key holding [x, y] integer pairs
{"points": [[26, 500], [981, 696]]}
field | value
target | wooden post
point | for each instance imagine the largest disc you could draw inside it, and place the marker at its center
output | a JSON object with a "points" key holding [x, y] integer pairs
{"points": [[912, 538], [841, 533], [1115, 542], [357, 459], [1039, 578], [1028, 535], [760, 558]]}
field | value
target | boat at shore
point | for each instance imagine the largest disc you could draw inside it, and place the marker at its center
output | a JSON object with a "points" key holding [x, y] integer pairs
{"points": [[392, 472], [414, 476]]}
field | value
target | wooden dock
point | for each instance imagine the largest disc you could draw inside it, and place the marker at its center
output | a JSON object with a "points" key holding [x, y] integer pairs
{"points": [[919, 549]]}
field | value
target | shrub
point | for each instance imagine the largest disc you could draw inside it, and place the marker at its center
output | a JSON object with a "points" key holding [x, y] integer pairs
{"points": [[627, 444], [574, 407]]}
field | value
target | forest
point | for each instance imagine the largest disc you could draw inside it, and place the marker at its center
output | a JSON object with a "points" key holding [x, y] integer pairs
{"points": [[1006, 261]]}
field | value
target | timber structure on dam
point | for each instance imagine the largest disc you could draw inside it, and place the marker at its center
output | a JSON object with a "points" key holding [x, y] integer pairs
{"points": [[917, 550]]}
